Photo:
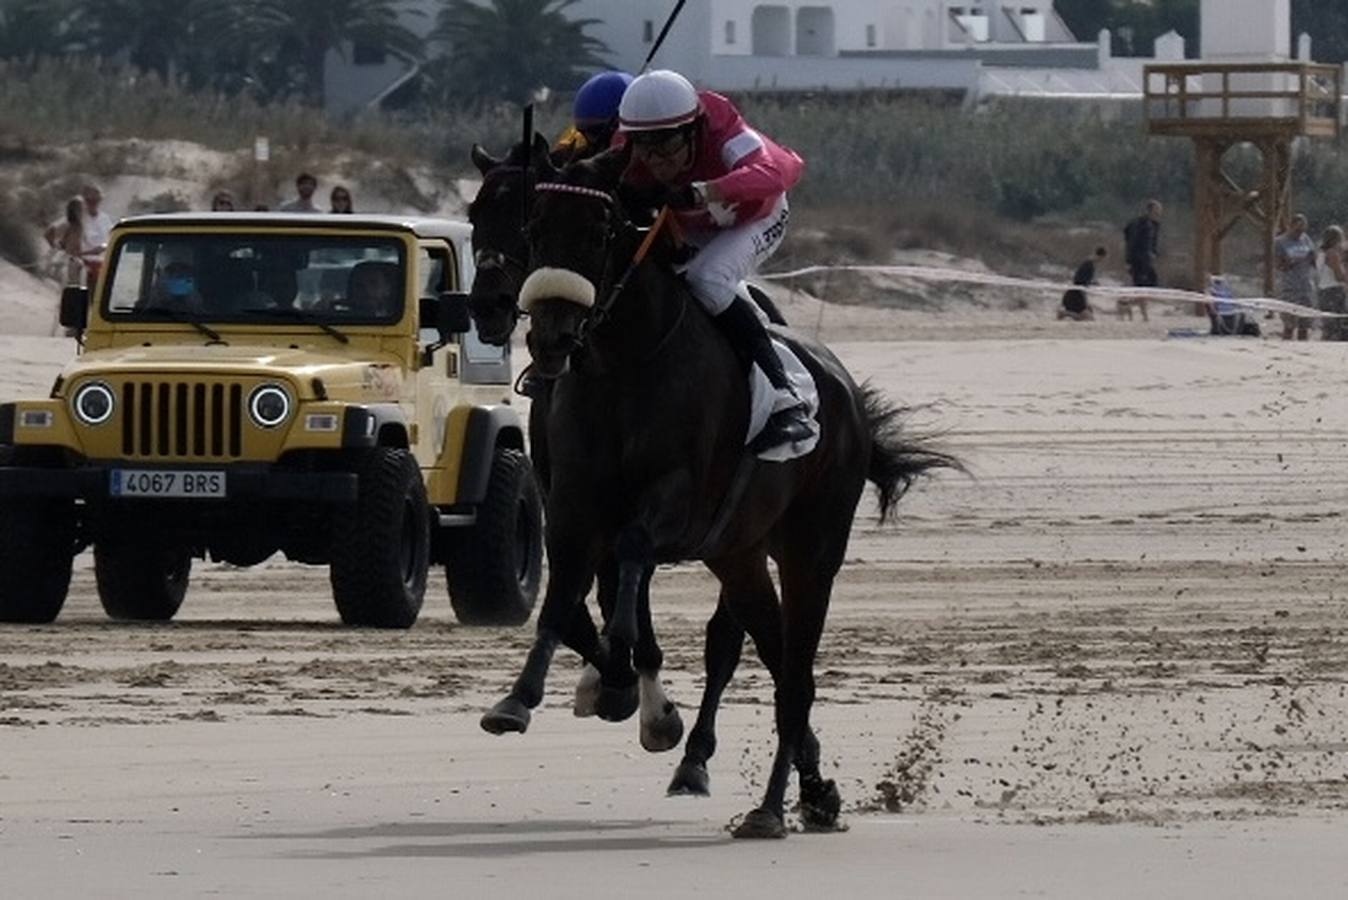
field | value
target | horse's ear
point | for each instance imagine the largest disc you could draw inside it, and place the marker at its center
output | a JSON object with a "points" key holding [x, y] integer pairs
{"points": [[484, 161], [612, 163], [541, 156]]}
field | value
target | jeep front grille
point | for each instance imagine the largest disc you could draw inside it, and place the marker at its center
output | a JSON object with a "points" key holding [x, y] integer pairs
{"points": [[177, 419]]}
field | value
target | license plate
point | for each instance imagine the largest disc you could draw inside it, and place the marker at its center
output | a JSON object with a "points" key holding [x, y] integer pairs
{"points": [[178, 483]]}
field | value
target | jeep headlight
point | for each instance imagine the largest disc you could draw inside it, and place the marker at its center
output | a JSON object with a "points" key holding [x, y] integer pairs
{"points": [[93, 403], [269, 405]]}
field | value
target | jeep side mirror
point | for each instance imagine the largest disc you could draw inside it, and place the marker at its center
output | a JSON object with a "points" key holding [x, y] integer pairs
{"points": [[454, 313], [447, 314], [75, 308]]}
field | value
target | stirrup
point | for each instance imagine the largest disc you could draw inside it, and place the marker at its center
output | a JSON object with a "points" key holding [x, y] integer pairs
{"points": [[786, 426]]}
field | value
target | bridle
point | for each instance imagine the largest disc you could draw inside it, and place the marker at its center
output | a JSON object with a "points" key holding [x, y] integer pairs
{"points": [[486, 259], [610, 290]]}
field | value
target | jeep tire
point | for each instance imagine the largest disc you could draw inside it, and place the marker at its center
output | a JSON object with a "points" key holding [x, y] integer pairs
{"points": [[141, 580], [37, 546], [381, 545], [496, 565]]}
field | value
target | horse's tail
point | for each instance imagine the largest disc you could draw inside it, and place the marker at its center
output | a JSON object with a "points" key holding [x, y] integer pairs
{"points": [[897, 459]]}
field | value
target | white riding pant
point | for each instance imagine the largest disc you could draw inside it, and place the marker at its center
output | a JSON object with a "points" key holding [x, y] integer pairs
{"points": [[727, 257]]}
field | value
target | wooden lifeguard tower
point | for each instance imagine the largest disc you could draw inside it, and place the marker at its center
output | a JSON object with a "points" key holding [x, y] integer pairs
{"points": [[1222, 104]]}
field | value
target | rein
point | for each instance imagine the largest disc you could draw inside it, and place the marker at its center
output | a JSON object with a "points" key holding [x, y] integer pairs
{"points": [[601, 310]]}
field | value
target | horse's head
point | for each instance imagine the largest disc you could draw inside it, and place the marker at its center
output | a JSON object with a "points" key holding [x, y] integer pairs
{"points": [[575, 219], [499, 247]]}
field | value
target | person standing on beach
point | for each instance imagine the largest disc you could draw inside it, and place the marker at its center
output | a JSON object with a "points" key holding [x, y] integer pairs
{"points": [[305, 185], [1294, 256], [1333, 278], [1142, 247], [340, 200]]}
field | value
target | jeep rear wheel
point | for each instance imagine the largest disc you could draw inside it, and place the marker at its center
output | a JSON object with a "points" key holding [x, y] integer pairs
{"points": [[496, 565], [381, 546], [37, 545], [143, 581]]}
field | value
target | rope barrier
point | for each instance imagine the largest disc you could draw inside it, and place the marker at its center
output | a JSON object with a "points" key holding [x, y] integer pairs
{"points": [[1161, 295]]}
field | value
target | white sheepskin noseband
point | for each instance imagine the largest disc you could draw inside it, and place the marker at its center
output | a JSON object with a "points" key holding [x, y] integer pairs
{"points": [[560, 284]]}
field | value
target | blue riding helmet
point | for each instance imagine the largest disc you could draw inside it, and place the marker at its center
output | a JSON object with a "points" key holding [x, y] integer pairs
{"points": [[598, 98]]}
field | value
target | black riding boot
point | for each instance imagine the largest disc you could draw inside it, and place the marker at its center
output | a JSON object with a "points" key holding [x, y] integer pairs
{"points": [[745, 329]]}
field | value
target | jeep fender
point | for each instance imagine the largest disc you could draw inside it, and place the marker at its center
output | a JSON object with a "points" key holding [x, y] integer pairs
{"points": [[487, 428], [376, 425]]}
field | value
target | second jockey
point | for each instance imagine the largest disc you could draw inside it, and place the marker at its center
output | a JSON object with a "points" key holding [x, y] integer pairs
{"points": [[594, 115]]}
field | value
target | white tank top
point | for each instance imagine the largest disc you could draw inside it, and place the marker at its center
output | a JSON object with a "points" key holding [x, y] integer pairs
{"points": [[1326, 274]]}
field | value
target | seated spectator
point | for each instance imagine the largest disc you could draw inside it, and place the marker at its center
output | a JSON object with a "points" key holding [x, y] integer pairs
{"points": [[223, 201], [341, 200], [1227, 318], [1075, 306], [175, 281], [373, 290]]}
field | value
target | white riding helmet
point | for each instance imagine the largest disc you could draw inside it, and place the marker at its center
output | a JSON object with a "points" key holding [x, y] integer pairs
{"points": [[658, 100]]}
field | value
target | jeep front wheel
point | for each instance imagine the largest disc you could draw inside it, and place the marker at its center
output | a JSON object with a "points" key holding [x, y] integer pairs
{"points": [[141, 581], [381, 546], [496, 565], [37, 545]]}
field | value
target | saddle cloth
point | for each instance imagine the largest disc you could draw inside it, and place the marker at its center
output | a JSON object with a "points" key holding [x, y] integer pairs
{"points": [[764, 401]]}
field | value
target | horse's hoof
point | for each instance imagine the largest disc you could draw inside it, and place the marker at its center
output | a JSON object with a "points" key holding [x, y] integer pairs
{"points": [[760, 824], [662, 732], [820, 805], [617, 704], [587, 693], [690, 780], [507, 715]]}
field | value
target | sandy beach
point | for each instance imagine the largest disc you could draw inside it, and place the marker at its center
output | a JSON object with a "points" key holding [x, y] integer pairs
{"points": [[1112, 663]]}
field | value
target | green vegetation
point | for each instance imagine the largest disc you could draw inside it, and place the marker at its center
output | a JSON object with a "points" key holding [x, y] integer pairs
{"points": [[507, 49], [1017, 183], [275, 50]]}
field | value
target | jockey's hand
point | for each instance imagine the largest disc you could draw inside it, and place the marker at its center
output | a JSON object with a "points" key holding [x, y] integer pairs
{"points": [[683, 198]]}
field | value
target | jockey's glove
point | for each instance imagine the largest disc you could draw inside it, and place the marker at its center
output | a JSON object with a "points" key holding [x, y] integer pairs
{"points": [[682, 198]]}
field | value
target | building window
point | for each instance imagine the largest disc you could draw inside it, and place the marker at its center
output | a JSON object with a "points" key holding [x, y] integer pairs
{"points": [[647, 31], [970, 23], [368, 54], [870, 35], [730, 31], [1032, 24]]}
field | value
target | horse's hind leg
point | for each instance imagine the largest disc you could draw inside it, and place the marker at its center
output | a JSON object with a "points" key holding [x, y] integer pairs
{"points": [[749, 590], [807, 572], [725, 643]]}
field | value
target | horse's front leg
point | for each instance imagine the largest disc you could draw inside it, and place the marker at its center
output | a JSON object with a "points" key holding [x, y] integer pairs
{"points": [[661, 522], [619, 695], [572, 569]]}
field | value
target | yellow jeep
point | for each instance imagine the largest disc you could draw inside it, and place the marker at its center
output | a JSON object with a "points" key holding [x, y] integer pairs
{"points": [[252, 383]]}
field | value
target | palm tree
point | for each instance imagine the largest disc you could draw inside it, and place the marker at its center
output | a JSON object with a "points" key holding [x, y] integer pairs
{"points": [[511, 48], [152, 35], [34, 28], [302, 32]]}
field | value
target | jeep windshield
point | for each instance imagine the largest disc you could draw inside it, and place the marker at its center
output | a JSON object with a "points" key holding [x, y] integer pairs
{"points": [[319, 280]]}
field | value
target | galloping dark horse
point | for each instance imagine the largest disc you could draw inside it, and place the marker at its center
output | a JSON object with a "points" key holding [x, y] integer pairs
{"points": [[501, 253], [647, 437]]}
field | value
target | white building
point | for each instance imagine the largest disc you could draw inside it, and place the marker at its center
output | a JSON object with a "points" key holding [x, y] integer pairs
{"points": [[790, 45], [970, 47]]}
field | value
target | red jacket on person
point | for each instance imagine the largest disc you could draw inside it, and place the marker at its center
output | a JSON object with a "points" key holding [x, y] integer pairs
{"points": [[750, 170]]}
